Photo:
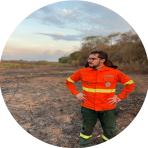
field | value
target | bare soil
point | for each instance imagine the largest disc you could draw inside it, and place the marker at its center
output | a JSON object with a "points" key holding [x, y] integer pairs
{"points": [[40, 102]]}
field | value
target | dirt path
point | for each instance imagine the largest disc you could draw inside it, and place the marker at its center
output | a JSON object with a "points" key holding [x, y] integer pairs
{"points": [[40, 102]]}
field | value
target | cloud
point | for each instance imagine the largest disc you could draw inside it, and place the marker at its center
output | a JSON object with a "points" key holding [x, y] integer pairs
{"points": [[67, 11], [52, 52], [42, 12], [61, 36], [52, 19], [64, 18], [103, 18], [81, 15], [71, 14], [88, 32], [83, 34]]}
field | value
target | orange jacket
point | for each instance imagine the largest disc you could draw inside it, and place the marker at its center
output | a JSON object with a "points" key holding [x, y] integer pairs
{"points": [[100, 86]]}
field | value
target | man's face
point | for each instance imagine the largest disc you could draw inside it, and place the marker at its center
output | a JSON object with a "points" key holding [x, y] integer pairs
{"points": [[94, 63]]}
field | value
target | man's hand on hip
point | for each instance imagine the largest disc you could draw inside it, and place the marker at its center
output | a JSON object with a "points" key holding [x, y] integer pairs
{"points": [[114, 100], [81, 97]]}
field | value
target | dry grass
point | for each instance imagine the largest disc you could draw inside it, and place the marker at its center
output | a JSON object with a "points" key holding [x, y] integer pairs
{"points": [[129, 67], [28, 64]]}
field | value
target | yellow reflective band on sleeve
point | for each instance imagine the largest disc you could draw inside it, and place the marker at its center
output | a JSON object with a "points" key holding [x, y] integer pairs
{"points": [[70, 80], [105, 138], [89, 89], [84, 136], [129, 82], [99, 90]]}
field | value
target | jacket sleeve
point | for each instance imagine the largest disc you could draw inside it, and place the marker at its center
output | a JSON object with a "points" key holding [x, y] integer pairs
{"points": [[127, 82], [70, 82]]}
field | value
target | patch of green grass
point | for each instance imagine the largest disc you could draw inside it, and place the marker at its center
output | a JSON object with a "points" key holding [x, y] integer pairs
{"points": [[31, 64], [14, 65], [58, 64], [9, 65], [44, 61]]}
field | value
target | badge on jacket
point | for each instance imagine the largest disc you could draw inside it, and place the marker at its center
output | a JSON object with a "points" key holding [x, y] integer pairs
{"points": [[108, 84]]}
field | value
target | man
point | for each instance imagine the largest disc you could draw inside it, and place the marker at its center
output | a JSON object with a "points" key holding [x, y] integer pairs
{"points": [[98, 99]]}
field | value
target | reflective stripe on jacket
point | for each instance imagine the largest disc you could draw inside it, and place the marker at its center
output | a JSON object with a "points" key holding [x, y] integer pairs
{"points": [[100, 86]]}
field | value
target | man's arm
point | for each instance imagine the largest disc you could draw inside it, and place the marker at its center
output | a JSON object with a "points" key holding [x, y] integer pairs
{"points": [[127, 82], [70, 82]]}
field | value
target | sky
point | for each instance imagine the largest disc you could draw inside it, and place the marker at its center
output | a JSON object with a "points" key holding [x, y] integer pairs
{"points": [[57, 30]]}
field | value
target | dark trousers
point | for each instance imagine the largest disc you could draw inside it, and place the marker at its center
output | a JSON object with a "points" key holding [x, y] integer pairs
{"points": [[89, 119]]}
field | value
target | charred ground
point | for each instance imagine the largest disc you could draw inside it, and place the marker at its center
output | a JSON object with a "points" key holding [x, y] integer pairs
{"points": [[40, 102]]}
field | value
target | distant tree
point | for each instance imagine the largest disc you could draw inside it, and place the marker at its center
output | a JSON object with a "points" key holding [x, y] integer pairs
{"points": [[60, 59], [74, 55], [63, 59]]}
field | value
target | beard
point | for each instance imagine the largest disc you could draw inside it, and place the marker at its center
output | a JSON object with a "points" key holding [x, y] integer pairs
{"points": [[91, 65]]}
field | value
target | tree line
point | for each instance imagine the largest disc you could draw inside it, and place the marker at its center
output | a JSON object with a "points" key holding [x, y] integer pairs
{"points": [[126, 50]]}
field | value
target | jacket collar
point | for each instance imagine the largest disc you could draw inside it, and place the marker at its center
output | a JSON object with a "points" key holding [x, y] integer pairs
{"points": [[103, 69]]}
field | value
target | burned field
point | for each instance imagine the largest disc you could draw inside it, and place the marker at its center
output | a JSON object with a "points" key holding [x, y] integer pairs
{"points": [[40, 102]]}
